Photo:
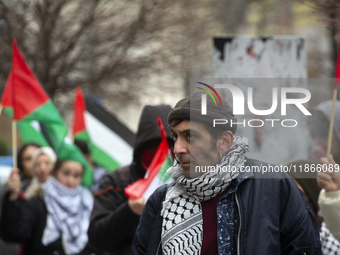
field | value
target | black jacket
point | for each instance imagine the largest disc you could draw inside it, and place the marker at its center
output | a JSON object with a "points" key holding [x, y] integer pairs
{"points": [[113, 224], [274, 218], [24, 221]]}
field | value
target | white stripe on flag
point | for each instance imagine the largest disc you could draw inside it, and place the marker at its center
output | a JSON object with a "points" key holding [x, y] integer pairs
{"points": [[104, 138]]}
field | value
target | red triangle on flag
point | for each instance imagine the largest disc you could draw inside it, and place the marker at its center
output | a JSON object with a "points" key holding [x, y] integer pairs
{"points": [[28, 93], [78, 113]]}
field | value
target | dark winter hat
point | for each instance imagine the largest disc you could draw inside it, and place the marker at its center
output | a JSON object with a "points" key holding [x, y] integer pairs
{"points": [[189, 108]]}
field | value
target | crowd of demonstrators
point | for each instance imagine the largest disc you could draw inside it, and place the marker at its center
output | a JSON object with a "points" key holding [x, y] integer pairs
{"points": [[56, 217], [115, 217], [98, 172], [222, 212], [47, 210], [309, 186]]}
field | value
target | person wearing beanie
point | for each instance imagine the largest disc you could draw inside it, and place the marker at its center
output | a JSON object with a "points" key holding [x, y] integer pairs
{"points": [[219, 202], [114, 217]]}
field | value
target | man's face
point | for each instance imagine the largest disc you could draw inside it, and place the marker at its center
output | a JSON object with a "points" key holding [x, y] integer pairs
{"points": [[193, 147]]}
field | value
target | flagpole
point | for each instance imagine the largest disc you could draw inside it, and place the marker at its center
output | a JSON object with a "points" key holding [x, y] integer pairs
{"points": [[331, 124], [1, 107], [14, 143]]}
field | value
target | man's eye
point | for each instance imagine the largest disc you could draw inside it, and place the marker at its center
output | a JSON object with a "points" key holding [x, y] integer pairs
{"points": [[174, 139], [191, 136]]}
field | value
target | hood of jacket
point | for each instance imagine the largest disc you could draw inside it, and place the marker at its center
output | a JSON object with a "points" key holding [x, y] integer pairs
{"points": [[148, 135]]}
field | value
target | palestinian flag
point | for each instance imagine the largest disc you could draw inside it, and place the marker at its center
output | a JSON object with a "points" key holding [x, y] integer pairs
{"points": [[111, 142], [29, 130], [156, 174], [79, 132], [337, 72], [30, 102], [38, 119]]}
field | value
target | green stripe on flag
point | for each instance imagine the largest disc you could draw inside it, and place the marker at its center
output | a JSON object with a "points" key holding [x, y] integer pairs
{"points": [[102, 159], [30, 133], [99, 156], [162, 174], [46, 113], [8, 111], [83, 136]]}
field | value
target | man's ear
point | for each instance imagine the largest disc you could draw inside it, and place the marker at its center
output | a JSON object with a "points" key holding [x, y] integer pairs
{"points": [[224, 142]]}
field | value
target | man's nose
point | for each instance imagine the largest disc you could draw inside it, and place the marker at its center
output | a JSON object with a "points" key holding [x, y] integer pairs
{"points": [[180, 146]]}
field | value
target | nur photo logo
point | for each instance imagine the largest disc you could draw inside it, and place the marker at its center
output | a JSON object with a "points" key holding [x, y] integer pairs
{"points": [[204, 97], [279, 97]]}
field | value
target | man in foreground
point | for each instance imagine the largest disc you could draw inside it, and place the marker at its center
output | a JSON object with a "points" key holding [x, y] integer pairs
{"points": [[214, 206]]}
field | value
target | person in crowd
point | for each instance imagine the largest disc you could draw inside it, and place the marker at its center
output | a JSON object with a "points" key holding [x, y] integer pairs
{"points": [[43, 161], [24, 160], [98, 172], [307, 183], [329, 198], [55, 221], [115, 217], [319, 128], [216, 206]]}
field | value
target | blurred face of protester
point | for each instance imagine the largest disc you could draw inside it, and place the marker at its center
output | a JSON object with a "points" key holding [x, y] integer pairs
{"points": [[27, 161], [70, 174], [193, 147], [147, 157], [43, 167]]}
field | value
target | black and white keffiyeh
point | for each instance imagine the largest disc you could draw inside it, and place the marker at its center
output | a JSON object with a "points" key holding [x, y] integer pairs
{"points": [[68, 217], [329, 245], [182, 227]]}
